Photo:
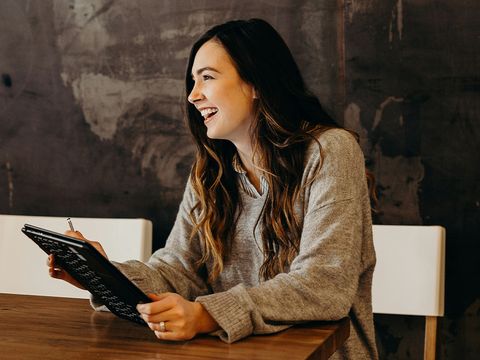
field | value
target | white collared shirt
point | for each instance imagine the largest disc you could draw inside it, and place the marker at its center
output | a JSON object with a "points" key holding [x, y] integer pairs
{"points": [[245, 182]]}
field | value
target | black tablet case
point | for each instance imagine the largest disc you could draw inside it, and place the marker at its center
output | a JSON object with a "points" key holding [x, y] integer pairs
{"points": [[91, 269]]}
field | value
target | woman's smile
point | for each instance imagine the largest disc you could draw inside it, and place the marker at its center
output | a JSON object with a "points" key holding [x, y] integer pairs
{"points": [[208, 114]]}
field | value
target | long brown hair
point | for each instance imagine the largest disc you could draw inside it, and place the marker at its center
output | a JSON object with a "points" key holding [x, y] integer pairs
{"points": [[288, 118]]}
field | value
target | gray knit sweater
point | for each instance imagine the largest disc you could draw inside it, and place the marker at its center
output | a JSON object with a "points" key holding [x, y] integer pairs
{"points": [[331, 277]]}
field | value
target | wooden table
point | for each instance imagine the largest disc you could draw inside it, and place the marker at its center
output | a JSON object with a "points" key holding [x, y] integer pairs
{"points": [[40, 327]]}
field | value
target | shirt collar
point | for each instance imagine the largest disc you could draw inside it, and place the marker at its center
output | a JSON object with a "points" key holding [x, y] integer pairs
{"points": [[237, 164]]}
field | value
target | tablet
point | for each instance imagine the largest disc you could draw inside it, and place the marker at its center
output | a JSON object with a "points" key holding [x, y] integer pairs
{"points": [[91, 269]]}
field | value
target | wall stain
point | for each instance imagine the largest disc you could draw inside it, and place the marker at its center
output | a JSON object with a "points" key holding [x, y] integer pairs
{"points": [[104, 100], [352, 121], [86, 16], [398, 177], [353, 7], [16, 53], [158, 142], [7, 80], [10, 184], [396, 21], [379, 111]]}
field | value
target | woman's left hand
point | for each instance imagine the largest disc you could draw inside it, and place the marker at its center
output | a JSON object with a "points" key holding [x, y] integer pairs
{"points": [[181, 319]]}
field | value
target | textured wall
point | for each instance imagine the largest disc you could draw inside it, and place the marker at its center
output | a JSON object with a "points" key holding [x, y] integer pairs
{"points": [[91, 120], [412, 70], [96, 86]]}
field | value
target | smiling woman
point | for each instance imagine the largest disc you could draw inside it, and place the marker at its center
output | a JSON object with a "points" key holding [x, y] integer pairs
{"points": [[274, 228]]}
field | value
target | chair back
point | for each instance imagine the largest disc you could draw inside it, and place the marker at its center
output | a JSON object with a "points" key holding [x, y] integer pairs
{"points": [[409, 276], [23, 268]]}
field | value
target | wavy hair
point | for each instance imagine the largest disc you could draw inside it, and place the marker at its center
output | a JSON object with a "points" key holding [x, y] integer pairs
{"points": [[288, 117]]}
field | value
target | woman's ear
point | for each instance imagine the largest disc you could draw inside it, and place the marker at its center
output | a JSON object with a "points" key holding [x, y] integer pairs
{"points": [[255, 96]]}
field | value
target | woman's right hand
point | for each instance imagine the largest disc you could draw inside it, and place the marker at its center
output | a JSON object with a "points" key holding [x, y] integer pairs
{"points": [[58, 273]]}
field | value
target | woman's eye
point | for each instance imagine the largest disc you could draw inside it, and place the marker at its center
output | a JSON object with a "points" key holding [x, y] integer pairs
{"points": [[207, 77]]}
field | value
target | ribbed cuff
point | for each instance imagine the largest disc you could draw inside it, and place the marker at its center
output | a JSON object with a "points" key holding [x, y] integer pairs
{"points": [[234, 320], [96, 304]]}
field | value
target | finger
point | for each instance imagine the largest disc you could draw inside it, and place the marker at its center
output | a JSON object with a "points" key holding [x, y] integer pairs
{"points": [[54, 270], [56, 273], [50, 260], [51, 263], [155, 326], [171, 336], [169, 316], [75, 234], [164, 302], [158, 297]]}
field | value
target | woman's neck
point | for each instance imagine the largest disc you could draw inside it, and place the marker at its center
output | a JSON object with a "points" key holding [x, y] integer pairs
{"points": [[248, 162]]}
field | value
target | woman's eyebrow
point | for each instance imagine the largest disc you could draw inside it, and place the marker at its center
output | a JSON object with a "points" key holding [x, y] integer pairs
{"points": [[206, 68]]}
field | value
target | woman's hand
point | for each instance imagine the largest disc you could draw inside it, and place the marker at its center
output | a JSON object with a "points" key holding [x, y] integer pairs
{"points": [[95, 244], [181, 319], [58, 273]]}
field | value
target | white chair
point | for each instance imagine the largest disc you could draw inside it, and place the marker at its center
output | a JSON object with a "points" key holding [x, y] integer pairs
{"points": [[409, 276], [23, 267]]}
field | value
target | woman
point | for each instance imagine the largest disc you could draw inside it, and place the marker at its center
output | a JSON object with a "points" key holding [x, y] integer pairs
{"points": [[274, 227]]}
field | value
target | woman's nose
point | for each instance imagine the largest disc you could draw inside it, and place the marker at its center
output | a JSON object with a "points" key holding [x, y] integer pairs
{"points": [[195, 95]]}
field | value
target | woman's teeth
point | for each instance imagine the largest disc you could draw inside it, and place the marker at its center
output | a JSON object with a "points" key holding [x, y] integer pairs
{"points": [[206, 113]]}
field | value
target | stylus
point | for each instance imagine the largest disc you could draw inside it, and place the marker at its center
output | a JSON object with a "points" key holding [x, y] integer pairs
{"points": [[70, 224]]}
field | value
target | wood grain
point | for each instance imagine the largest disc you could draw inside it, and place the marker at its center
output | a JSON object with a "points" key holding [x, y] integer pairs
{"points": [[430, 338], [40, 327]]}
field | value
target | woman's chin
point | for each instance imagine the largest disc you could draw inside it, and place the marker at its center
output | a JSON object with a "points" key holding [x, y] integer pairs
{"points": [[212, 135]]}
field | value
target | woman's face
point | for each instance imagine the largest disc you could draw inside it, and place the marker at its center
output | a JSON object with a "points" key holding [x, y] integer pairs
{"points": [[222, 97]]}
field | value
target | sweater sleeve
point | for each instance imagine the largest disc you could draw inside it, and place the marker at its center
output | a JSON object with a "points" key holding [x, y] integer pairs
{"points": [[322, 281], [171, 268]]}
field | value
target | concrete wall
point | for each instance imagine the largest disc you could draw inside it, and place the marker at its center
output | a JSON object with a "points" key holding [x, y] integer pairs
{"points": [[412, 70], [91, 121]]}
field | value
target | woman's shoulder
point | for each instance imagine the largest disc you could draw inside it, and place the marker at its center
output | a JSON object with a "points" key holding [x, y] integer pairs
{"points": [[336, 142], [335, 154], [335, 170], [339, 136]]}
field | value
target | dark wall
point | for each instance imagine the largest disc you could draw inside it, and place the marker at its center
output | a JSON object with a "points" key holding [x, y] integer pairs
{"points": [[91, 100], [91, 119], [413, 92]]}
